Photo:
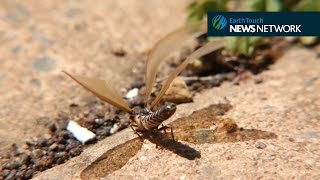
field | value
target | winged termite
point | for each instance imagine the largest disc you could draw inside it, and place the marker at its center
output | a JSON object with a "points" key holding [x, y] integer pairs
{"points": [[148, 119]]}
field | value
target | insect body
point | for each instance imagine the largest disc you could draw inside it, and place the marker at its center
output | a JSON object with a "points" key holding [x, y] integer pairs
{"points": [[150, 119], [146, 120]]}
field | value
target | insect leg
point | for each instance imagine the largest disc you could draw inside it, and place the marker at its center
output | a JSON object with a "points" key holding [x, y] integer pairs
{"points": [[171, 129], [135, 131], [164, 127]]}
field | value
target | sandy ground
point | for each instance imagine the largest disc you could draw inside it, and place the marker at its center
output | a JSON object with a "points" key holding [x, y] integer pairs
{"points": [[39, 39]]}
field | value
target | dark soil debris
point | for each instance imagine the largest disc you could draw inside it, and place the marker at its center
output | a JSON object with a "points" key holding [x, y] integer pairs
{"points": [[58, 145], [39, 154]]}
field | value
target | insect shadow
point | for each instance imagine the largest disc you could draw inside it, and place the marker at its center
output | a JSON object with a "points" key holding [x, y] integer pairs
{"points": [[208, 126], [118, 156], [112, 160], [164, 141]]}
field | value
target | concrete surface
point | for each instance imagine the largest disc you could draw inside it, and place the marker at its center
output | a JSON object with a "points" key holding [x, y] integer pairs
{"points": [[286, 103]]}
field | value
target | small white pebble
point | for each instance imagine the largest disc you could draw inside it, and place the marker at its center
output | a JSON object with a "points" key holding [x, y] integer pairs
{"points": [[143, 158], [80, 133], [115, 128], [132, 93]]}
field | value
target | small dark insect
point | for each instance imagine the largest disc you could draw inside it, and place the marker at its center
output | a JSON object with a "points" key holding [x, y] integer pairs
{"points": [[150, 118]]}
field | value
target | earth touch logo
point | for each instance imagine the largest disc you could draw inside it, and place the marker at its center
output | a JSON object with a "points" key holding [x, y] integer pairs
{"points": [[219, 22], [263, 24]]}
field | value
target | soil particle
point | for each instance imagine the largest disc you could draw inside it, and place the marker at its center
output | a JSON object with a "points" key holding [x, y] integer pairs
{"points": [[28, 174], [12, 165], [72, 144], [118, 51], [291, 139], [42, 142], [44, 163], [61, 147], [104, 131], [24, 159], [60, 160], [52, 127], [14, 150], [178, 93], [258, 80], [64, 134], [75, 152], [12, 174], [20, 173], [260, 145], [61, 155], [53, 147], [115, 128], [5, 173]]}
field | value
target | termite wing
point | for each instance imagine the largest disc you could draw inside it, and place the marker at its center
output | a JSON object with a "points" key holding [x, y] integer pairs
{"points": [[149, 118]]}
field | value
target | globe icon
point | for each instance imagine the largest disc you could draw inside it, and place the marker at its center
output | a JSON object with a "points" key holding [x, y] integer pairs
{"points": [[219, 22]]}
